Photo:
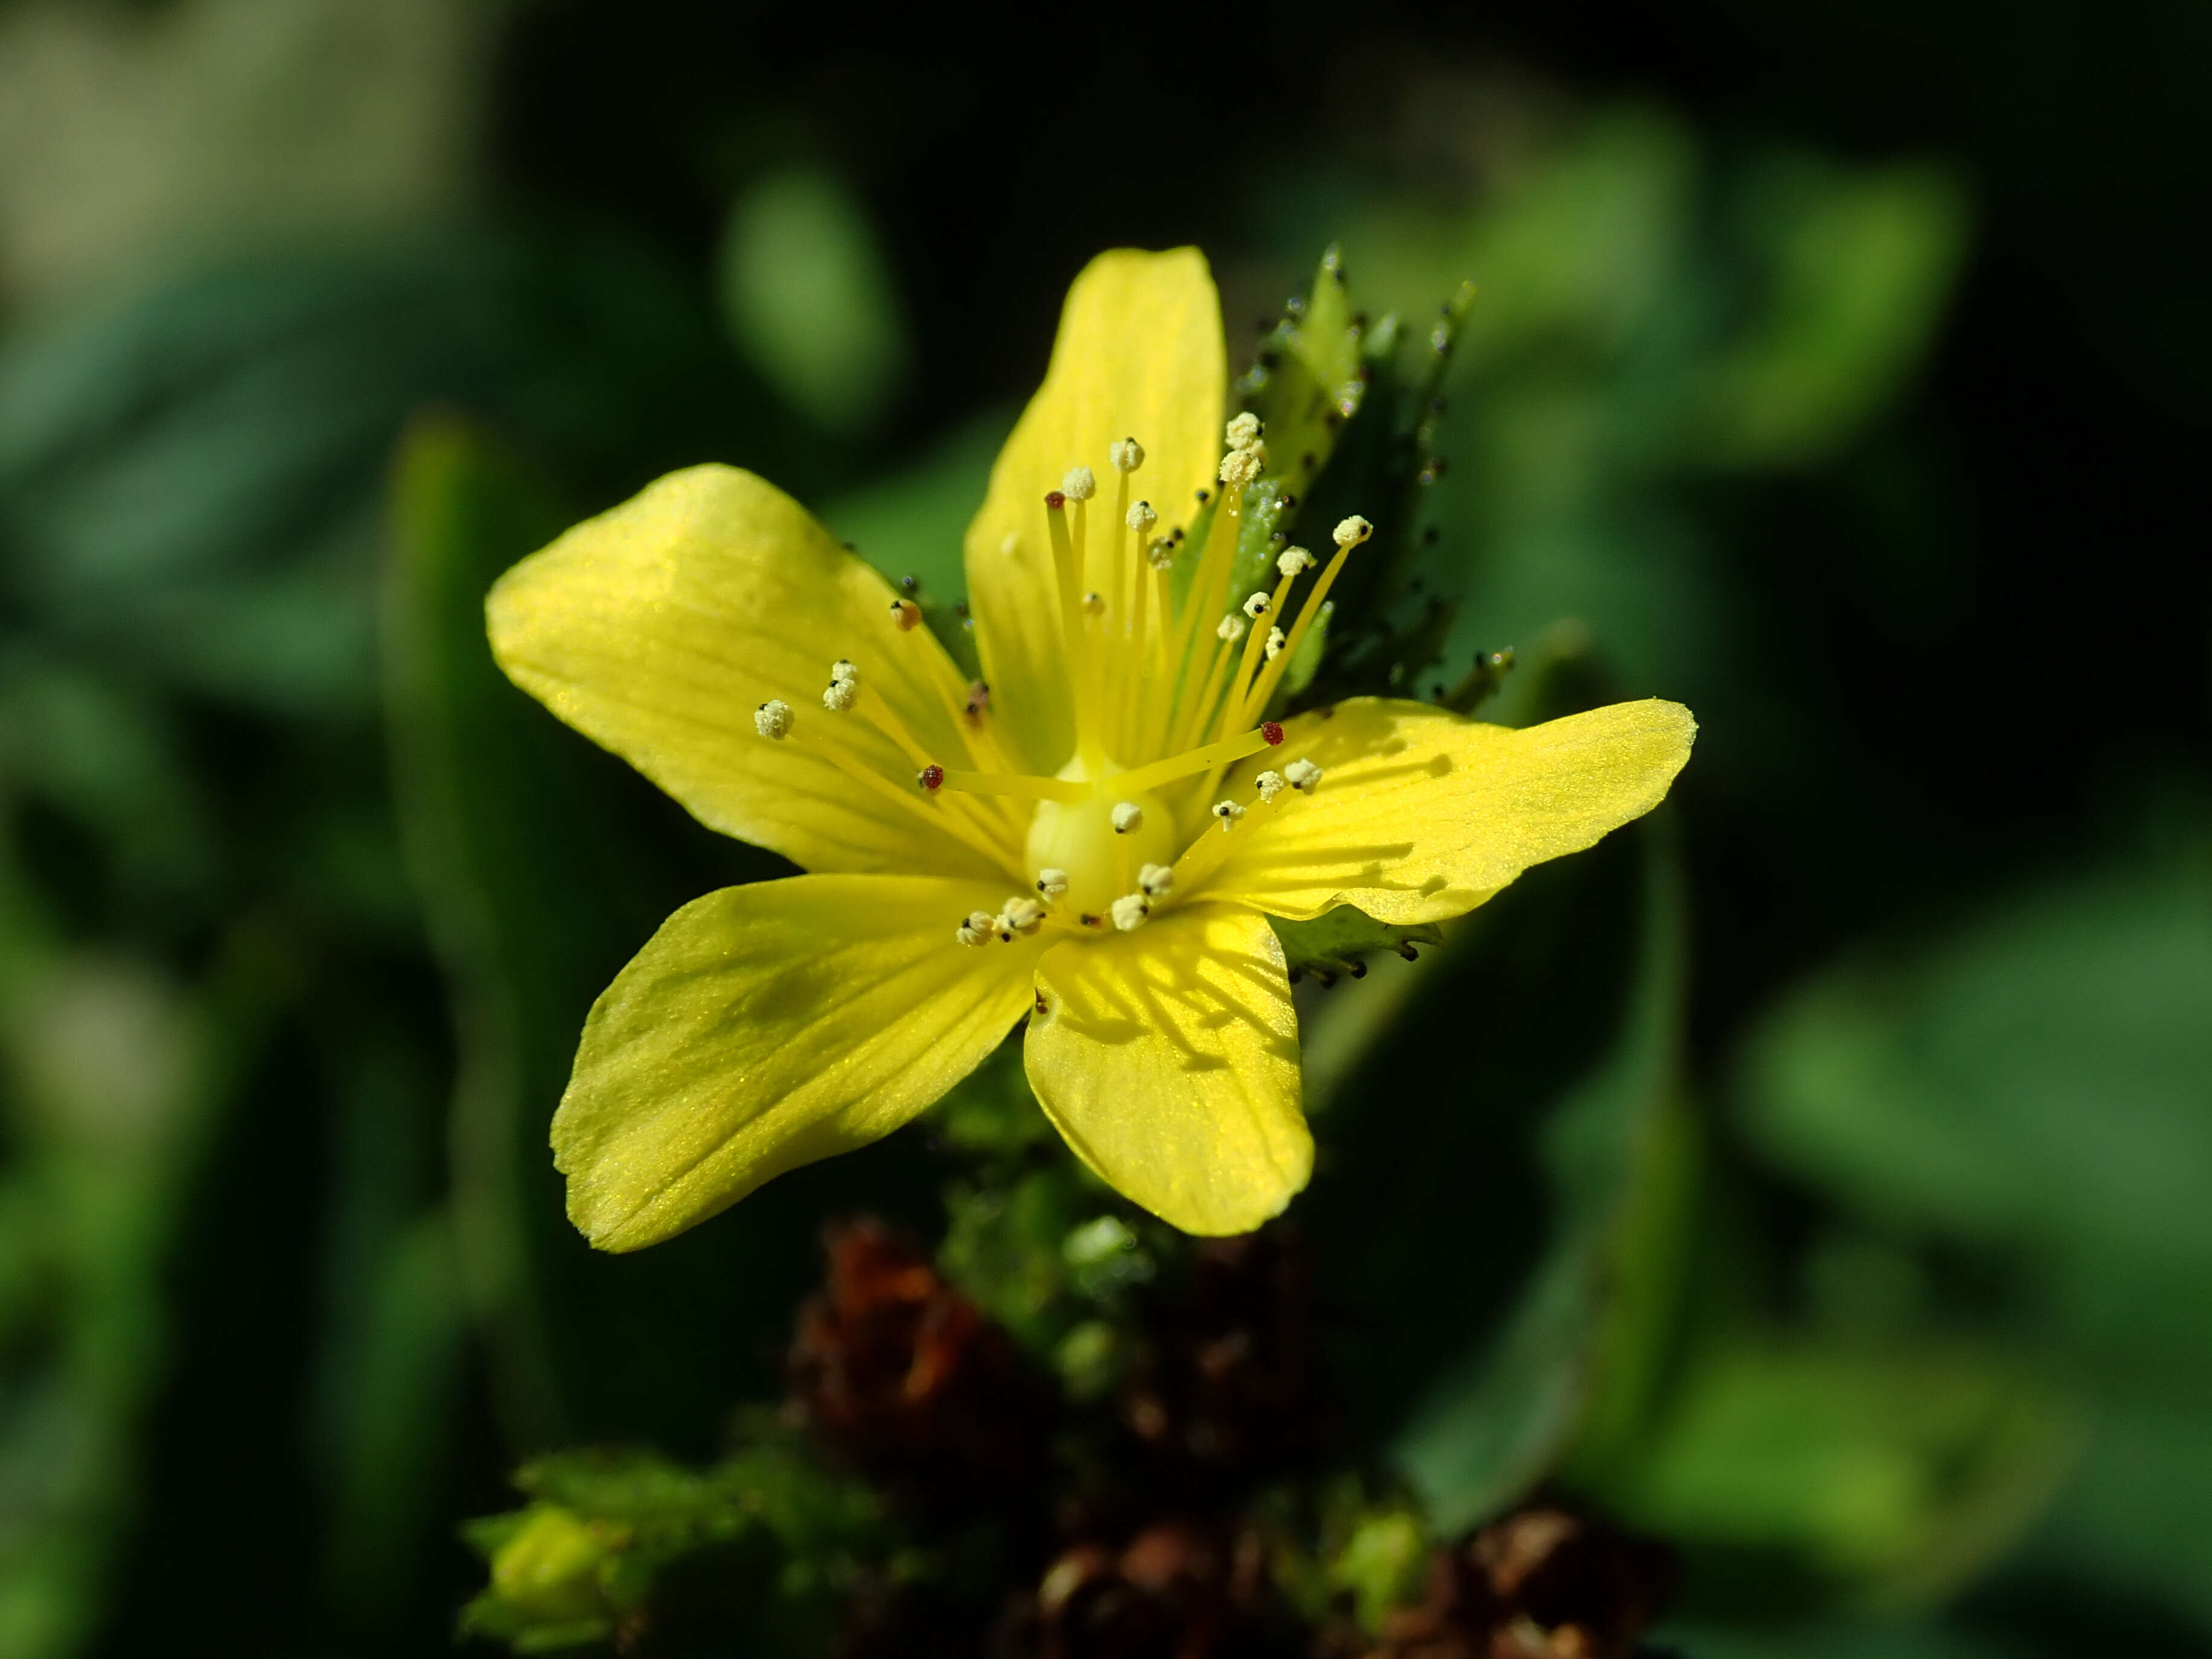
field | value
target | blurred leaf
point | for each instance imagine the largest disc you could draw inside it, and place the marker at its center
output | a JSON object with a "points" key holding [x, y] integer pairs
{"points": [[2038, 1086], [1479, 1168], [1788, 1471], [807, 292], [192, 469], [1856, 268]]}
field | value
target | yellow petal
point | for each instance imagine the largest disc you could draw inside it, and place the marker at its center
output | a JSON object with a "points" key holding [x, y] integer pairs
{"points": [[1422, 814], [657, 629], [764, 1027], [1168, 1058], [1139, 355]]}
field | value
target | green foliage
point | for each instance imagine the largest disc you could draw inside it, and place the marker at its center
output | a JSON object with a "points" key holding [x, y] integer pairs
{"points": [[765, 1543], [806, 292], [2032, 1090], [1469, 1230], [1340, 941]]}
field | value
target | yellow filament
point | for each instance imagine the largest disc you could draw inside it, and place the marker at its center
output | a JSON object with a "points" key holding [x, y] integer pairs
{"points": [[921, 806], [1264, 688], [1027, 785], [1069, 573], [1223, 753]]}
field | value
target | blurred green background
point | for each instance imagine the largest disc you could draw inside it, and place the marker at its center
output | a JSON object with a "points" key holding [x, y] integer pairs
{"points": [[1821, 1175]]}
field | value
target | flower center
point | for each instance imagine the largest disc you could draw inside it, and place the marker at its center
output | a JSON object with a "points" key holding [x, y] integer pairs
{"points": [[1101, 843]]}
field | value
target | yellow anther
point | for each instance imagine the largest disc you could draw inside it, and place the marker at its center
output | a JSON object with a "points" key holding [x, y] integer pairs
{"points": [[1230, 627], [1226, 812], [1160, 554], [1080, 484], [1142, 518], [1240, 466], [1094, 605], [1052, 883], [1256, 606], [1270, 784], [1127, 454], [1245, 431], [839, 695], [1127, 815], [1352, 532], [773, 719], [1020, 915], [1130, 911], [977, 929], [1293, 560], [1302, 775], [1156, 880], [846, 672], [1274, 643]]}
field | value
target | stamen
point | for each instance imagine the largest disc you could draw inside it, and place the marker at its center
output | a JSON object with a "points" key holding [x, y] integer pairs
{"points": [[907, 614], [1245, 431], [977, 929], [1141, 518], [1227, 812], [1051, 881], [774, 719], [1239, 467], [1160, 554], [1094, 604], [1080, 484], [1255, 606], [1229, 630], [1274, 649], [931, 777], [1156, 880], [1270, 784], [1292, 561], [1192, 761], [1020, 915], [1130, 911], [845, 672], [1127, 454], [1348, 534], [979, 700], [1302, 775], [839, 695], [1127, 815], [1027, 785]]}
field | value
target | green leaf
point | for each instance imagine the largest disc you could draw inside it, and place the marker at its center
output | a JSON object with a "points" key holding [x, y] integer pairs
{"points": [[1309, 377], [1481, 1169], [2032, 1088], [1856, 269], [1791, 1470], [1340, 941]]}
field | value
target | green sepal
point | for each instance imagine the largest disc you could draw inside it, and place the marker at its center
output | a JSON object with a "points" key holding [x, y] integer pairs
{"points": [[1340, 941]]}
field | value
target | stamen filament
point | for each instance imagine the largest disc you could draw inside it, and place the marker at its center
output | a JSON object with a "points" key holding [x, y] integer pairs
{"points": [[1190, 719], [1026, 786], [1225, 752], [1256, 700], [886, 720], [921, 806], [1069, 573]]}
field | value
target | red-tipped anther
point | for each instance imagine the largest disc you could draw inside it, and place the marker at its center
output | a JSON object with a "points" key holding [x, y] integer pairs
{"points": [[1272, 732], [931, 778], [1055, 499]]}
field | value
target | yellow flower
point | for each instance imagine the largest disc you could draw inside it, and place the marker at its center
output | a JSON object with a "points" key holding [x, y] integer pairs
{"points": [[1096, 840]]}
